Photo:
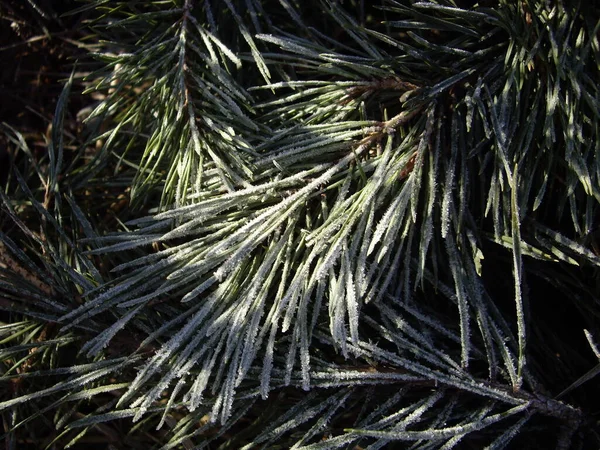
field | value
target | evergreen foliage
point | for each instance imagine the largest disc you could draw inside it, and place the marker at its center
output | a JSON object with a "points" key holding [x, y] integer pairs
{"points": [[313, 225]]}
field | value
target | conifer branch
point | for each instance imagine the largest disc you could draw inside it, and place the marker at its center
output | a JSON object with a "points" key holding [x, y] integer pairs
{"points": [[341, 216]]}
